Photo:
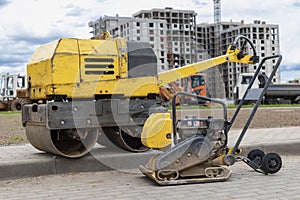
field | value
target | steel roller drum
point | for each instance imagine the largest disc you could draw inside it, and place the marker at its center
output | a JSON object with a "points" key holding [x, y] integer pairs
{"points": [[70, 143]]}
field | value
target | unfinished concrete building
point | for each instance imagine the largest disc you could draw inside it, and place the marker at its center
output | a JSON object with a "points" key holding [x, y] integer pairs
{"points": [[135, 29], [171, 33], [180, 35], [178, 41], [264, 36]]}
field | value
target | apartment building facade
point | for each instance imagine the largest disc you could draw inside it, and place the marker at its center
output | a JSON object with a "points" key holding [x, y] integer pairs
{"points": [[265, 38], [148, 30], [178, 40], [180, 35]]}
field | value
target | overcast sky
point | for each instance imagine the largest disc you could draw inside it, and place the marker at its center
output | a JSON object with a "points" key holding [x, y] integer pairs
{"points": [[24, 25]]}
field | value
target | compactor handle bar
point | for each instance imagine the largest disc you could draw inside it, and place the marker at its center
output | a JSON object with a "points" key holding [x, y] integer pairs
{"points": [[258, 101]]}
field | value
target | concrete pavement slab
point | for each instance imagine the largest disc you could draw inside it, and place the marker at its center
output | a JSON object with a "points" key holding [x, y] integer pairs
{"points": [[285, 141], [26, 161], [244, 184]]}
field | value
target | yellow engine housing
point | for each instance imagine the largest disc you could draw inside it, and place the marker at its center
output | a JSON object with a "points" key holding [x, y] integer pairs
{"points": [[157, 131], [83, 68]]}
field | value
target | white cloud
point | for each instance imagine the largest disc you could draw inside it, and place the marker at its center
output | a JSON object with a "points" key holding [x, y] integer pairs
{"points": [[10, 70], [285, 13], [26, 24], [289, 75]]}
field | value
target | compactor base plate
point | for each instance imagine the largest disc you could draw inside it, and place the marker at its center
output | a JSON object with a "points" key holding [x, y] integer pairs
{"points": [[190, 180]]}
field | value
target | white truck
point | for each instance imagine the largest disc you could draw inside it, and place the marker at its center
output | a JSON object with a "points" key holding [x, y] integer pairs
{"points": [[13, 92], [276, 93]]}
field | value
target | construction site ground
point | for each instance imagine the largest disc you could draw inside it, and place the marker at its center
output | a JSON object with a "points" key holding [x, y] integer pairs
{"points": [[27, 173], [12, 131], [272, 130], [244, 184]]}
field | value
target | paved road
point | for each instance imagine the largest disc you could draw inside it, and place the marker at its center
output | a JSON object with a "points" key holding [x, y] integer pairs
{"points": [[243, 184]]}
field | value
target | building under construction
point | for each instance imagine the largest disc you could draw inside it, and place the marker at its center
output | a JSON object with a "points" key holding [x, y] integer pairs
{"points": [[178, 40], [264, 36]]}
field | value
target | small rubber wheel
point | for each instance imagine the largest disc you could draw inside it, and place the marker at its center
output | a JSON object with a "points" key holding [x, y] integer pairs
{"points": [[16, 105], [271, 163], [256, 155]]}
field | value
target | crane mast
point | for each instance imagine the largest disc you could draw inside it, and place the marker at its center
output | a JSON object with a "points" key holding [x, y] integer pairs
{"points": [[217, 23]]}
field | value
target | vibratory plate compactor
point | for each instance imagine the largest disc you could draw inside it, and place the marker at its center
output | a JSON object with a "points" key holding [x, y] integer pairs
{"points": [[198, 152]]}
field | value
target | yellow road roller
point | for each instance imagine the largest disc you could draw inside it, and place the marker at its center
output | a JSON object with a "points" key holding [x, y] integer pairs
{"points": [[80, 88]]}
